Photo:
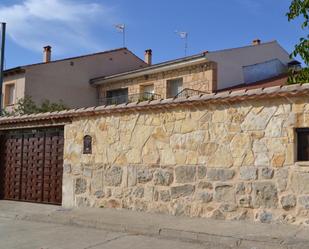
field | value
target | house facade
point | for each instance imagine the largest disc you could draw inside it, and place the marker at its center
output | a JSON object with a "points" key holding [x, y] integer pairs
{"points": [[207, 72], [65, 80]]}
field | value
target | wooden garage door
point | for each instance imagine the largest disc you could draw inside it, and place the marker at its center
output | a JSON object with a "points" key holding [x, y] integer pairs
{"points": [[31, 165]]}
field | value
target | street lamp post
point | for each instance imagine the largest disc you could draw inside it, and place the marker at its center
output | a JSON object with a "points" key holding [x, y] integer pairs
{"points": [[3, 29]]}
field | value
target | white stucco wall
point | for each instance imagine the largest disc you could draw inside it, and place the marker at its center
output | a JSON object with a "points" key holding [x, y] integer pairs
{"points": [[69, 82], [231, 61], [19, 81]]}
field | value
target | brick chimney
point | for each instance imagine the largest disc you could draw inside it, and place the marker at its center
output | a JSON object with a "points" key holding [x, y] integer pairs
{"points": [[47, 54], [148, 56], [256, 42]]}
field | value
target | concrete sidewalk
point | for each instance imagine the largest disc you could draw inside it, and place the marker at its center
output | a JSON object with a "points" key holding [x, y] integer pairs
{"points": [[234, 234]]}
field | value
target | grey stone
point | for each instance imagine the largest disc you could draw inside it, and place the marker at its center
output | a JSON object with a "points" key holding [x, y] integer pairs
{"points": [[245, 201], [163, 177], [139, 192], [185, 174], [228, 207], [131, 175], [181, 191], [99, 194], [113, 176], [240, 189], [67, 168], [304, 201], [264, 195], [165, 195], [82, 201], [80, 186], [288, 202], [266, 173], [201, 172], [264, 217], [204, 185], [117, 193], [220, 174], [248, 173], [144, 175], [225, 193], [281, 177], [300, 182], [87, 172], [204, 197]]}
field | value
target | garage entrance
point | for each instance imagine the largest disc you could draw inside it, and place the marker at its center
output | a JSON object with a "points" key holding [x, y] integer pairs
{"points": [[31, 165]]}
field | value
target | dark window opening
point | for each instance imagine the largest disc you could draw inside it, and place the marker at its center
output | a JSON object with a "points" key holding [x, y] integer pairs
{"points": [[302, 144], [87, 145], [116, 97]]}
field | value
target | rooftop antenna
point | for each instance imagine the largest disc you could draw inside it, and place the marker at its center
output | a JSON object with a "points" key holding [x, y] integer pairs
{"points": [[183, 35], [121, 28]]}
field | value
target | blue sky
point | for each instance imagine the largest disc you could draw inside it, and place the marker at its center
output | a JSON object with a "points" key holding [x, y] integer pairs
{"points": [[76, 27]]}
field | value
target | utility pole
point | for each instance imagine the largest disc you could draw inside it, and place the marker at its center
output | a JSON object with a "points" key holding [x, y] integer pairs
{"points": [[184, 35], [3, 29]]}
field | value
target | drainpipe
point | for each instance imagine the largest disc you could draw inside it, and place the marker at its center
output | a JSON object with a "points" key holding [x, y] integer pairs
{"points": [[3, 27]]}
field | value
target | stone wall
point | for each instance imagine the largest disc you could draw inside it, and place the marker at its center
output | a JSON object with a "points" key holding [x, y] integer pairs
{"points": [[199, 77], [226, 161]]}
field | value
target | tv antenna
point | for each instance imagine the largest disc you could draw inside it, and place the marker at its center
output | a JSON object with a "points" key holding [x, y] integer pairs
{"points": [[121, 28], [183, 35]]}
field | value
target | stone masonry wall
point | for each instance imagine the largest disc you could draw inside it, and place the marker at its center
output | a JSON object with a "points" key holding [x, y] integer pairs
{"points": [[226, 161], [199, 77]]}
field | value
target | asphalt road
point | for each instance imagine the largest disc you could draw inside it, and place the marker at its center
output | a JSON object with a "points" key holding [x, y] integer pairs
{"points": [[16, 234]]}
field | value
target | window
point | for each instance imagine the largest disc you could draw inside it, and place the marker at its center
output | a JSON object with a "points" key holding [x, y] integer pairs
{"points": [[117, 96], [9, 94], [148, 89], [302, 144], [174, 87], [87, 145]]}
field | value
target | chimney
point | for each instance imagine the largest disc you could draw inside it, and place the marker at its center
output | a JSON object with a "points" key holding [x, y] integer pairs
{"points": [[256, 42], [148, 56], [47, 54]]}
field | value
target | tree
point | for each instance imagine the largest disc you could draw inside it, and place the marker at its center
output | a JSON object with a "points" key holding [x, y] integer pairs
{"points": [[300, 8], [28, 106]]}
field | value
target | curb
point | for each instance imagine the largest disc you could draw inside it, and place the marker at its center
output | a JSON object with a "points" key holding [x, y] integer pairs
{"points": [[167, 233]]}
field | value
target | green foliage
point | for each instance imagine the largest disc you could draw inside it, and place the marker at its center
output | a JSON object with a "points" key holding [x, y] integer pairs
{"points": [[28, 106], [300, 8]]}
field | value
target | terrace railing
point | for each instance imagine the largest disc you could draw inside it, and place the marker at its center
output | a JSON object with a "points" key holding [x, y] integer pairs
{"points": [[187, 92], [139, 97]]}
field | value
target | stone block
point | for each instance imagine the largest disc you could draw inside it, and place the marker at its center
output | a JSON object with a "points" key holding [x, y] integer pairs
{"points": [[220, 174], [201, 172], [204, 197], [266, 173], [139, 192], [113, 176], [185, 174], [204, 185], [300, 182], [144, 175], [265, 194], [80, 186], [304, 201], [248, 173], [245, 201], [163, 177], [228, 207], [264, 216], [182, 191], [224, 193], [165, 195], [288, 202], [281, 177]]}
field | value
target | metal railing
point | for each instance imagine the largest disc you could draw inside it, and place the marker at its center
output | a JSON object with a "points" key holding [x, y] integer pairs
{"points": [[187, 92], [139, 97]]}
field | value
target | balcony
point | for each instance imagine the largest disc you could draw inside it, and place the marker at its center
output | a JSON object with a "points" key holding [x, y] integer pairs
{"points": [[139, 97], [187, 92]]}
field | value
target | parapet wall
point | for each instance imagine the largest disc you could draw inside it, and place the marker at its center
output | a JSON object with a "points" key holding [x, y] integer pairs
{"points": [[225, 160]]}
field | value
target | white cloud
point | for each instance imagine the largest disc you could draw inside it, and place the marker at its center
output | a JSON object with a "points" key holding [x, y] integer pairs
{"points": [[64, 24]]}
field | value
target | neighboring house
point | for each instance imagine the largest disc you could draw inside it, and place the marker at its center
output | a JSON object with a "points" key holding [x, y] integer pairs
{"points": [[66, 80], [205, 72]]}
